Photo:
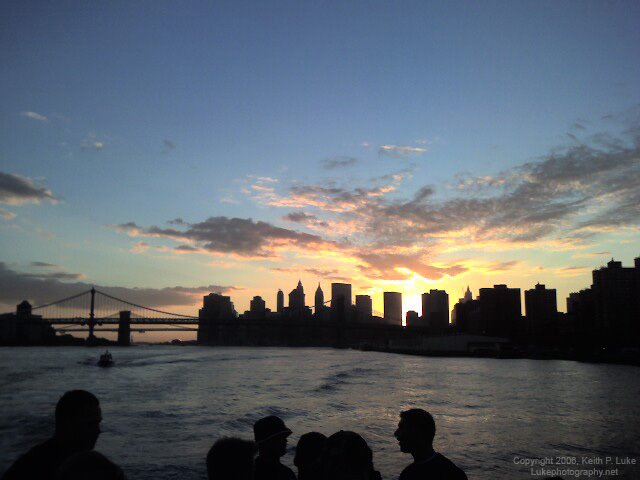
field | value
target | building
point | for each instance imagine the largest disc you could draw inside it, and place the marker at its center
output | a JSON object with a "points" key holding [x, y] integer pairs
{"points": [[392, 308], [435, 309], [217, 307], [257, 307], [364, 309], [341, 297], [500, 311], [467, 297], [296, 298], [411, 318], [319, 299], [280, 302], [541, 310]]}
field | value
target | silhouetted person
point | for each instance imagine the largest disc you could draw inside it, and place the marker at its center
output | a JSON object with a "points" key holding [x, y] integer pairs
{"points": [[308, 458], [78, 418], [89, 465], [348, 457], [271, 438], [231, 459], [415, 435]]}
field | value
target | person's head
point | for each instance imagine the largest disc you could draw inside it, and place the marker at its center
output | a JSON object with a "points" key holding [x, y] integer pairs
{"points": [[78, 418], [231, 459], [415, 431], [271, 436], [89, 465], [347, 457], [309, 450]]}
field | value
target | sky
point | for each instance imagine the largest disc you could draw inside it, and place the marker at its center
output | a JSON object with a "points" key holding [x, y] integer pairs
{"points": [[166, 149]]}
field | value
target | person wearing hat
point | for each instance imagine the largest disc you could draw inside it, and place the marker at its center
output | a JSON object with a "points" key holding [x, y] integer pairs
{"points": [[271, 438]]}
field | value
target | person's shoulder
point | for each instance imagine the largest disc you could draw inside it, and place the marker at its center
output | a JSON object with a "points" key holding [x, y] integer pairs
{"points": [[33, 463], [450, 468]]}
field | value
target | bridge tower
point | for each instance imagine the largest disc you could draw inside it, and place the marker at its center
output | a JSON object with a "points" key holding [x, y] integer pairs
{"points": [[92, 316], [124, 328]]}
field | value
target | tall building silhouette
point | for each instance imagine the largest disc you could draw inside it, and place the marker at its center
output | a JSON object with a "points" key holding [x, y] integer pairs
{"points": [[392, 308], [364, 309], [280, 302], [319, 299], [257, 307], [541, 310], [217, 307], [616, 291], [500, 311], [435, 309], [296, 298], [341, 291], [411, 318]]}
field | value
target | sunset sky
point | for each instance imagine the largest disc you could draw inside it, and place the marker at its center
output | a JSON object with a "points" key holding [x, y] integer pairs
{"points": [[177, 148]]}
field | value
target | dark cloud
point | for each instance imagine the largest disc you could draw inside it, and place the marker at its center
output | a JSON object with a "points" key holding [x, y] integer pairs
{"points": [[338, 162], [39, 290], [185, 248], [177, 221], [42, 264], [240, 236], [304, 218], [16, 190]]}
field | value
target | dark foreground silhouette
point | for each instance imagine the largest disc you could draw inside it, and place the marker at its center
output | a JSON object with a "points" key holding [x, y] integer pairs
{"points": [[415, 435], [77, 418], [345, 455]]}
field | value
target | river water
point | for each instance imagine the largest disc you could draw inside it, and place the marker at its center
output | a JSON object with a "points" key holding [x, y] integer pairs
{"points": [[164, 406]]}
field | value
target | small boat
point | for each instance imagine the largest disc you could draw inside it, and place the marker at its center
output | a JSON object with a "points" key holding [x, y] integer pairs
{"points": [[106, 360]]}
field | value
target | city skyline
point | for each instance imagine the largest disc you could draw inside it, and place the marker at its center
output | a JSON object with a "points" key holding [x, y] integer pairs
{"points": [[168, 153]]}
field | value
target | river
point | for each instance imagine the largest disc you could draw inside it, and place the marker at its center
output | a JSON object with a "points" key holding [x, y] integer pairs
{"points": [[164, 406]]}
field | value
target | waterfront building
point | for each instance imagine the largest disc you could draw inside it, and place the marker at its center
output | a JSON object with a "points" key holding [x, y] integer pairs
{"points": [[296, 298], [364, 309], [500, 311], [319, 300], [341, 294], [280, 302], [392, 308], [435, 309], [217, 307], [541, 310], [257, 307], [411, 318]]}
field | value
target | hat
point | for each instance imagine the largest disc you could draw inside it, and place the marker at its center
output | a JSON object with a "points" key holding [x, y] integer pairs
{"points": [[269, 427]]}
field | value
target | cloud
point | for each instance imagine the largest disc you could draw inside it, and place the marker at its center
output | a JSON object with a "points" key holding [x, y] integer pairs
{"points": [[401, 151], [6, 214], [399, 266], [18, 190], [338, 162], [16, 286], [304, 218], [240, 236], [34, 116], [91, 141], [43, 264]]}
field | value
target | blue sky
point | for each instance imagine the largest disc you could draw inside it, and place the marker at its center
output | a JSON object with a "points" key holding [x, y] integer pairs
{"points": [[149, 111]]}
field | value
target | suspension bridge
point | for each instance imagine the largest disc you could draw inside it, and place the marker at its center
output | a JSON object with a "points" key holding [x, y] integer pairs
{"points": [[95, 311]]}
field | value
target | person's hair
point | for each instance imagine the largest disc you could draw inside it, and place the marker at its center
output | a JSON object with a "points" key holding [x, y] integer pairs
{"points": [[72, 405], [89, 465], [346, 456], [230, 456], [420, 420], [309, 449]]}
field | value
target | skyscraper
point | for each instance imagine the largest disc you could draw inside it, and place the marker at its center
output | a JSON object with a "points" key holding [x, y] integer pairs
{"points": [[341, 291], [364, 308], [280, 302], [500, 311], [435, 309], [541, 310], [319, 300], [393, 308], [296, 298]]}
